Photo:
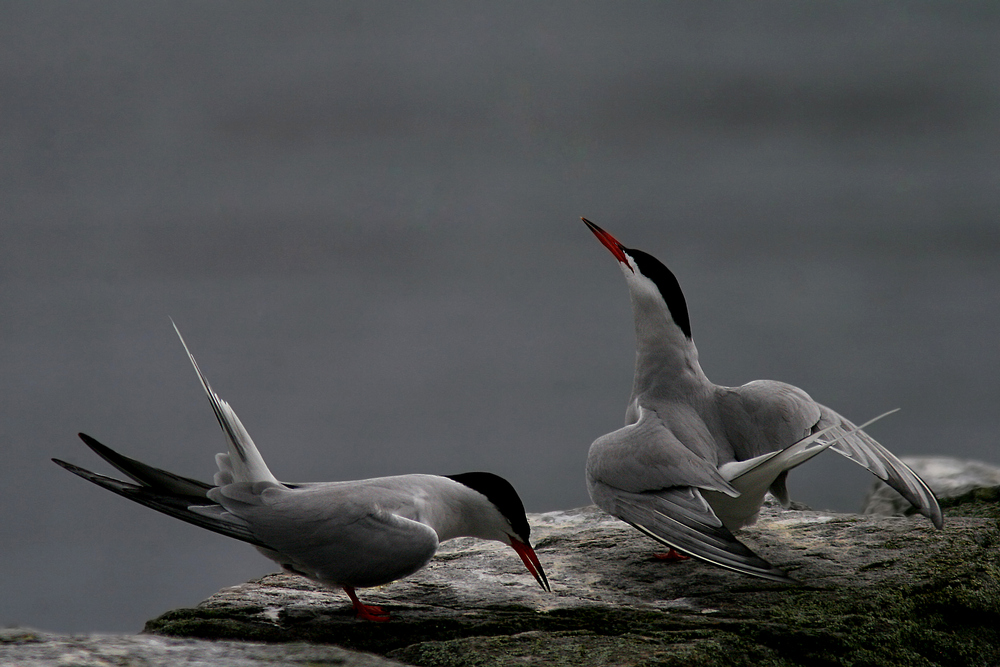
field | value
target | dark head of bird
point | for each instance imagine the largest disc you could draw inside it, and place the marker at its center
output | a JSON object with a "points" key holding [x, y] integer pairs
{"points": [[503, 496], [646, 274]]}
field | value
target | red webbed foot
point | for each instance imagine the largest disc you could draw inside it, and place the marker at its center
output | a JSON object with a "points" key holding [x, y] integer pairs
{"points": [[672, 555], [366, 612], [371, 613]]}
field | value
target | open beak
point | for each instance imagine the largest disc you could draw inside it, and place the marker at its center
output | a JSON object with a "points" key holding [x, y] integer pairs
{"points": [[610, 242], [527, 555]]}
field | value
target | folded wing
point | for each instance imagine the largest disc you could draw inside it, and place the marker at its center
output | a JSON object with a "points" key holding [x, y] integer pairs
{"points": [[165, 492], [682, 519], [644, 476], [336, 533]]}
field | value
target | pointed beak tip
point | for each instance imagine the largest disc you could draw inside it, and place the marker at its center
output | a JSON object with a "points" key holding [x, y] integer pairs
{"points": [[609, 242], [542, 580], [530, 560]]}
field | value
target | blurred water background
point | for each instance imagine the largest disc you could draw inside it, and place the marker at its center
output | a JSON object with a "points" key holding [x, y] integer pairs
{"points": [[364, 218]]}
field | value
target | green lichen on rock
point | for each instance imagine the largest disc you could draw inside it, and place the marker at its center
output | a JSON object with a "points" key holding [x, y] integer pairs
{"points": [[244, 623], [877, 591], [947, 611], [703, 648], [983, 503], [887, 625]]}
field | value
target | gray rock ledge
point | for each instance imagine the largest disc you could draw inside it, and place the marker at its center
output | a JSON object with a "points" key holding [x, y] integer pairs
{"points": [[953, 481], [22, 647], [875, 590]]}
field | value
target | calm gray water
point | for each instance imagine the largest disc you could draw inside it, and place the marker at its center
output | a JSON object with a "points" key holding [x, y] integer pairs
{"points": [[364, 219]]}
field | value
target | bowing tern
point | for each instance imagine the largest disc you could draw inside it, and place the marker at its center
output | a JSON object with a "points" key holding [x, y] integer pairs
{"points": [[694, 460], [349, 534]]}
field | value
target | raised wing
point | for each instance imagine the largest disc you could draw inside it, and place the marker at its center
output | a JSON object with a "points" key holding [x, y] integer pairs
{"points": [[765, 416], [864, 450], [754, 477]]}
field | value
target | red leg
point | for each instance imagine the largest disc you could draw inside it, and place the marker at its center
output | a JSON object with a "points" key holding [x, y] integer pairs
{"points": [[366, 612], [672, 555]]}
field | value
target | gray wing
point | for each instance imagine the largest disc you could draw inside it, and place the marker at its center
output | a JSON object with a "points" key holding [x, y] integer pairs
{"points": [[337, 532], [332, 532], [765, 416], [866, 451], [643, 475], [647, 455], [173, 495], [682, 519]]}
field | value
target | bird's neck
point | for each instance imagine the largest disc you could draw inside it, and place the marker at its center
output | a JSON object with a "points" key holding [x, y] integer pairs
{"points": [[666, 360], [454, 510]]}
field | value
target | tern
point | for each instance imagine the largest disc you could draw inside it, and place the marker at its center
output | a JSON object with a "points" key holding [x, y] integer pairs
{"points": [[695, 459], [351, 534]]}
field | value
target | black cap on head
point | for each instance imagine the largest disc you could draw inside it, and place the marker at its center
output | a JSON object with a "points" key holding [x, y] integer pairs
{"points": [[501, 493], [666, 282]]}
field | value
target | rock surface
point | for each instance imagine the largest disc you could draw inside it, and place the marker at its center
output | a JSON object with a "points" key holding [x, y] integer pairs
{"points": [[875, 591], [953, 481], [28, 648]]}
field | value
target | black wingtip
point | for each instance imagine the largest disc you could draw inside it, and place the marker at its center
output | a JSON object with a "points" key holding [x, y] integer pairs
{"points": [[178, 506], [782, 577], [146, 475], [741, 558], [92, 443], [77, 470]]}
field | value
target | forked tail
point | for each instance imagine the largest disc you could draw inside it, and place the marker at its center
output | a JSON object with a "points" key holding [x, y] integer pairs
{"points": [[244, 462], [753, 477], [756, 474]]}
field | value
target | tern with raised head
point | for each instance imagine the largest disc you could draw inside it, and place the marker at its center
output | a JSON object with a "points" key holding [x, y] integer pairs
{"points": [[351, 534], [695, 459]]}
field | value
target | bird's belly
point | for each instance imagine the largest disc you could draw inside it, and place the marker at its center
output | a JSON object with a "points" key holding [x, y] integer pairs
{"points": [[334, 566]]}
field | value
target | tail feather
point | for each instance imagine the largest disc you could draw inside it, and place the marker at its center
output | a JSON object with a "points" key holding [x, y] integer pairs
{"points": [[744, 475], [753, 477], [750, 473], [247, 465]]}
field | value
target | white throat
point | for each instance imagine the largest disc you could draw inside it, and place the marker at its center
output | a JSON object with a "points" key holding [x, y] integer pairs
{"points": [[665, 358]]}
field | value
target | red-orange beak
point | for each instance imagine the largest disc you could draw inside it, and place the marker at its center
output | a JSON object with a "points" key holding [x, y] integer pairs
{"points": [[610, 242], [527, 555]]}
